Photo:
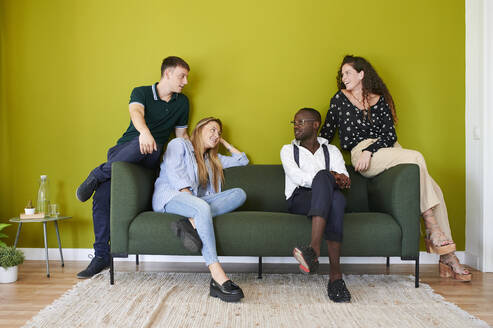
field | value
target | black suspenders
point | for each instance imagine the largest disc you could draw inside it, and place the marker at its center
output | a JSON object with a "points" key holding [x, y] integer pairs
{"points": [[296, 154]]}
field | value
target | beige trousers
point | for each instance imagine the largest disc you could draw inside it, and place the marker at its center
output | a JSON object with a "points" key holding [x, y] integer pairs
{"points": [[431, 195]]}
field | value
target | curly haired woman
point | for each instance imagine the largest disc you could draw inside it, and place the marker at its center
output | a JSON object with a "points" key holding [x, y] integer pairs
{"points": [[364, 112]]}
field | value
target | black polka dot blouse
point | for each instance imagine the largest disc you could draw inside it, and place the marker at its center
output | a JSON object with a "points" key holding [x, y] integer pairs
{"points": [[355, 126]]}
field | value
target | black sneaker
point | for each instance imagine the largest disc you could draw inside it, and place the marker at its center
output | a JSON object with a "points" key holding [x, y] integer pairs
{"points": [[97, 265], [338, 291], [227, 292], [86, 189], [184, 230], [307, 257]]}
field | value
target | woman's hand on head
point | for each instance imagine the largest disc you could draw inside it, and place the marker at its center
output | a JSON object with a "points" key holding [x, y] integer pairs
{"points": [[363, 162], [224, 143], [229, 147]]}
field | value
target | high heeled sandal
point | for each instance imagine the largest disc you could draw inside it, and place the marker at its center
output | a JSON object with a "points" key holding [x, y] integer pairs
{"points": [[447, 270], [433, 243]]}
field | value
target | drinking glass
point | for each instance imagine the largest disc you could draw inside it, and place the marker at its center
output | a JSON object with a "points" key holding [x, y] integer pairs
{"points": [[54, 210]]}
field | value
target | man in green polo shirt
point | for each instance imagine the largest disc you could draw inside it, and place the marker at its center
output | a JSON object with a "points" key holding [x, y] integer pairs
{"points": [[155, 112]]}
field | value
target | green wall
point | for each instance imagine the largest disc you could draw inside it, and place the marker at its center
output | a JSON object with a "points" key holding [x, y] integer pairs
{"points": [[67, 69]]}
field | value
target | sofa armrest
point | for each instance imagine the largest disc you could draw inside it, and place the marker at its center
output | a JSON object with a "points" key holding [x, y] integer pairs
{"points": [[131, 193], [396, 192]]}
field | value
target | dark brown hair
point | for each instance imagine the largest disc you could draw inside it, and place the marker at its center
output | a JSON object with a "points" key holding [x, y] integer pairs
{"points": [[372, 83], [172, 62]]}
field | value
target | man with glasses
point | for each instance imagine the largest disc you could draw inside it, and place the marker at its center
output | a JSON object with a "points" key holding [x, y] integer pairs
{"points": [[315, 173]]}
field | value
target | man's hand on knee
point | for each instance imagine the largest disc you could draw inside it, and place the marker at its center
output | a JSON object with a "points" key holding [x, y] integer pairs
{"points": [[342, 180], [147, 143]]}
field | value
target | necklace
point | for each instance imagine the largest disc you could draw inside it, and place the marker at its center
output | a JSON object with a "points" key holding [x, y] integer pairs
{"points": [[359, 101], [364, 110]]}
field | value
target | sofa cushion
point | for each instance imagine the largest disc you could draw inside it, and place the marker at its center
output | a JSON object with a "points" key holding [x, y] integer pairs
{"points": [[275, 234], [150, 233], [357, 195], [264, 186]]}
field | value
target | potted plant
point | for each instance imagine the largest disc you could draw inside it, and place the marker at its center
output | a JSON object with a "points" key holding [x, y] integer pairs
{"points": [[10, 258], [2, 235]]}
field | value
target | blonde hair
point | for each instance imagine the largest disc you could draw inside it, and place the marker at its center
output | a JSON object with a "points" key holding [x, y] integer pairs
{"points": [[211, 153]]}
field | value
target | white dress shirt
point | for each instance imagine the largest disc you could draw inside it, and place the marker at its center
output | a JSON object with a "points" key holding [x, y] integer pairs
{"points": [[310, 164]]}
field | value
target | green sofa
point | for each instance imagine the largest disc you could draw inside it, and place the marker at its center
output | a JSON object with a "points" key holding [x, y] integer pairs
{"points": [[382, 216]]}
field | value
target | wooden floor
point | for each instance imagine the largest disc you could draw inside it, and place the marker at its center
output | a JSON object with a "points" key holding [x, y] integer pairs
{"points": [[33, 291]]}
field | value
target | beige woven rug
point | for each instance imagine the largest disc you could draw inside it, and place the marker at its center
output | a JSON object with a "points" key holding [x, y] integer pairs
{"points": [[278, 300]]}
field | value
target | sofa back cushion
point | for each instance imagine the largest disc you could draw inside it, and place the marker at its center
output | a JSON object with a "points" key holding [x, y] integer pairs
{"points": [[264, 186]]}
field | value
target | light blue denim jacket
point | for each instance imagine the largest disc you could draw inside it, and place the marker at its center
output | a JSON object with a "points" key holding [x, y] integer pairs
{"points": [[179, 170]]}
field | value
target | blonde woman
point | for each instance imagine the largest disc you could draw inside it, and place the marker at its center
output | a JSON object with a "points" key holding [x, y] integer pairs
{"points": [[189, 184]]}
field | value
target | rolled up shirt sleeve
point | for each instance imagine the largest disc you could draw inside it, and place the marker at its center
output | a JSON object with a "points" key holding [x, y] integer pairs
{"points": [[233, 160], [174, 165]]}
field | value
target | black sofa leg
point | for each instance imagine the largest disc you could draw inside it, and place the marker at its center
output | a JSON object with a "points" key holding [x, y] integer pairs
{"points": [[112, 271], [388, 261], [136, 259], [416, 282], [259, 267]]}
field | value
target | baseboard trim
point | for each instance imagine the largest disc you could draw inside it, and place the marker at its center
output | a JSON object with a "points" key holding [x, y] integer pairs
{"points": [[82, 254], [472, 260]]}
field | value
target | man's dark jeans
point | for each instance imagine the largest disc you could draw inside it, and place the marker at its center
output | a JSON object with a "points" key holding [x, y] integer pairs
{"points": [[323, 199], [125, 152]]}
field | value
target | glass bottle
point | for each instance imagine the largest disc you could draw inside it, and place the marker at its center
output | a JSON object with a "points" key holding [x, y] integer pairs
{"points": [[43, 196]]}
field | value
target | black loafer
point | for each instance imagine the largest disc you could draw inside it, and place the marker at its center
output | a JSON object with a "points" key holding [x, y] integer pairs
{"points": [[227, 292], [97, 265], [184, 230], [338, 291]]}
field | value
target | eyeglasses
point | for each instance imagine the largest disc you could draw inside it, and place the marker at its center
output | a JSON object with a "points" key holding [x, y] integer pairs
{"points": [[302, 122]]}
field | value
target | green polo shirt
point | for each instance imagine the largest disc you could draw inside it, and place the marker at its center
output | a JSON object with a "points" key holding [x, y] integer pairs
{"points": [[160, 116]]}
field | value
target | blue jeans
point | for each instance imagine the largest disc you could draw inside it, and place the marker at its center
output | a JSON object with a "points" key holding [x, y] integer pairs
{"points": [[202, 210], [125, 152]]}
